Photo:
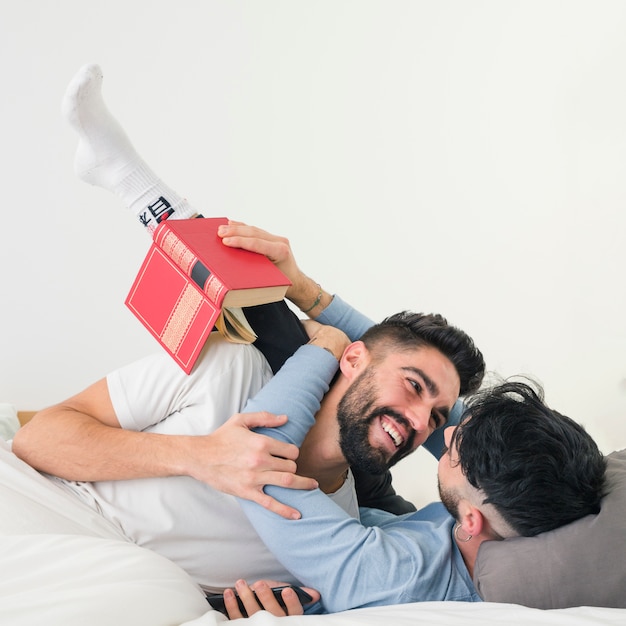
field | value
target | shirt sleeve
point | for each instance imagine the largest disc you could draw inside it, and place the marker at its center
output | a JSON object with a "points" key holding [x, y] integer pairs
{"points": [[297, 391], [342, 316], [397, 560]]}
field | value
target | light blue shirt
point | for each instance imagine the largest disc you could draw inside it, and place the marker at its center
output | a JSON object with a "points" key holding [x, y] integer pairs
{"points": [[381, 559]]}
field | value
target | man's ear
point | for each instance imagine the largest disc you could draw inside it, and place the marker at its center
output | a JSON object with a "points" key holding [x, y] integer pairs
{"points": [[471, 518], [354, 359]]}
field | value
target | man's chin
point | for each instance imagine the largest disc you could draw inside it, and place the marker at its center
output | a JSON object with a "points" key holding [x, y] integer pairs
{"points": [[369, 465]]}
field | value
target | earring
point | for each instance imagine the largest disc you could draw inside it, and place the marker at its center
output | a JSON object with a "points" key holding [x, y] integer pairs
{"points": [[457, 527]]}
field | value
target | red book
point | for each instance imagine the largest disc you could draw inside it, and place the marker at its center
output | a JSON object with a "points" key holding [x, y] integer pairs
{"points": [[190, 282]]}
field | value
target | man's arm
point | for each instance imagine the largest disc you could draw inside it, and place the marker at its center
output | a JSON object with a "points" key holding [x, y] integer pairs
{"points": [[327, 549], [300, 385], [304, 292], [81, 438]]}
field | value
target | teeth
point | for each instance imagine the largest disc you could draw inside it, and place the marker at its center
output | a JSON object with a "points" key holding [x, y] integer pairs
{"points": [[393, 433]]}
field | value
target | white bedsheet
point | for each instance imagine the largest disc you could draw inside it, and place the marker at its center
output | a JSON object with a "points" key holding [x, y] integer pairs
{"points": [[442, 614]]}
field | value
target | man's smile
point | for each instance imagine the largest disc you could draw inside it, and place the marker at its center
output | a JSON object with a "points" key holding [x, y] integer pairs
{"points": [[396, 431]]}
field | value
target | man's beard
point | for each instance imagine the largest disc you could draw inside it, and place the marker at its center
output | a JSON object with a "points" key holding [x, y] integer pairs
{"points": [[449, 499], [355, 413]]}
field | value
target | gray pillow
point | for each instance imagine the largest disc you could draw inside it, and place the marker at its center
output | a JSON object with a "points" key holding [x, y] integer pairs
{"points": [[581, 564]]}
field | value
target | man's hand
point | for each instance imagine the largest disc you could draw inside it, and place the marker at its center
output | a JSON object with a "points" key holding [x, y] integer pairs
{"points": [[259, 597], [304, 292], [240, 462], [81, 440], [327, 337]]}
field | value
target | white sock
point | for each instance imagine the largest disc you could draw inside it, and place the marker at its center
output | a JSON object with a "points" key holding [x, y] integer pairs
{"points": [[105, 156]]}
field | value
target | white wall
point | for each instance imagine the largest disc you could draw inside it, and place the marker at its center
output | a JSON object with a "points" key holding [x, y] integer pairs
{"points": [[461, 157]]}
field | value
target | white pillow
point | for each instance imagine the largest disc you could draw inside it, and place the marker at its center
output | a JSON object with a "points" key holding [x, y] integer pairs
{"points": [[75, 580]]}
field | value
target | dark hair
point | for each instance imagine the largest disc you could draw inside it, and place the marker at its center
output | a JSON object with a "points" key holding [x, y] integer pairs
{"points": [[408, 330], [538, 468]]}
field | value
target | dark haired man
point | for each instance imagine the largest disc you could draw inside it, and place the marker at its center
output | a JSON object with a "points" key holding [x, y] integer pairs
{"points": [[537, 468]]}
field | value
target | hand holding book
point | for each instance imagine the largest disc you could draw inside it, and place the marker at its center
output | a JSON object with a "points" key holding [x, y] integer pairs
{"points": [[304, 292]]}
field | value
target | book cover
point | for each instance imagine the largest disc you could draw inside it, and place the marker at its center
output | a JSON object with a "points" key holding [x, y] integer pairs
{"points": [[226, 275], [189, 278]]}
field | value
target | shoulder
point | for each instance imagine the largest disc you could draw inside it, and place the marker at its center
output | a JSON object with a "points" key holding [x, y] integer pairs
{"points": [[220, 355], [151, 389]]}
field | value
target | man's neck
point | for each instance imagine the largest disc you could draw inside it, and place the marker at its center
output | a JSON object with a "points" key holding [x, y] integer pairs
{"points": [[320, 454], [469, 552]]}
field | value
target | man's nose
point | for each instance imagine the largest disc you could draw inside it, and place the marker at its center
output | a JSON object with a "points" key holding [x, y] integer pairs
{"points": [[419, 418]]}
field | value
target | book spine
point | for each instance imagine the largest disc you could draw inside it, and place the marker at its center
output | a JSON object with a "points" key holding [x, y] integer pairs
{"points": [[177, 250]]}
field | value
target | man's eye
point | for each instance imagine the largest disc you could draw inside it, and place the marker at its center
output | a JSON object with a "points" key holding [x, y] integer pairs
{"points": [[416, 385]]}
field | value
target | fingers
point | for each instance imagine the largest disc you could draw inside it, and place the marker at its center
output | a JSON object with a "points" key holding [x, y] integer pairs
{"points": [[273, 505], [292, 602], [231, 605], [332, 339], [279, 479], [262, 418], [241, 229], [275, 251], [279, 449], [266, 597], [260, 599], [253, 239], [247, 598], [291, 481]]}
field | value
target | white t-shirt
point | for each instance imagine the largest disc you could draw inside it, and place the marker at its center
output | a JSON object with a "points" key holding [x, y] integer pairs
{"points": [[199, 528]]}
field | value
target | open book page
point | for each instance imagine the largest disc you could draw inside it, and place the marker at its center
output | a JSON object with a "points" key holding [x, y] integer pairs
{"points": [[234, 326]]}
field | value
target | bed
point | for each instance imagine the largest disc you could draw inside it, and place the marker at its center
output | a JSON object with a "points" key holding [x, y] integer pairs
{"points": [[58, 569]]}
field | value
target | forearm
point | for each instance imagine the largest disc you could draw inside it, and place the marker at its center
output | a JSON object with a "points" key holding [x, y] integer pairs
{"points": [[308, 295], [69, 444], [318, 304], [296, 390], [334, 553], [304, 292]]}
